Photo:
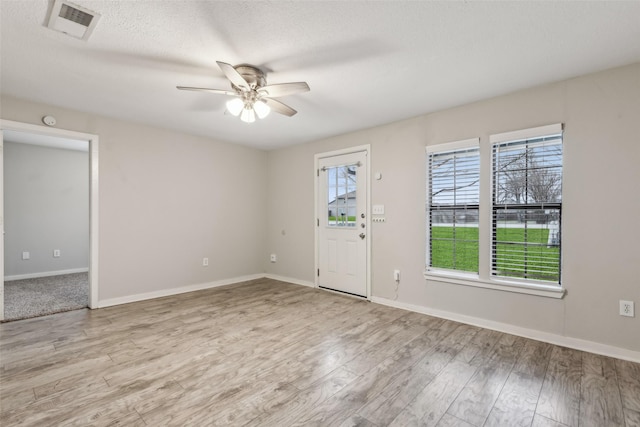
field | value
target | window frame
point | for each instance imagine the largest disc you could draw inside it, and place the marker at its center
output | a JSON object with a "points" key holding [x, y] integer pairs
{"points": [[484, 279], [449, 147], [515, 136]]}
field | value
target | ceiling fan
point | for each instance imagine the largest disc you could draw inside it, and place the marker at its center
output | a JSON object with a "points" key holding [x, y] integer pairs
{"points": [[252, 95]]}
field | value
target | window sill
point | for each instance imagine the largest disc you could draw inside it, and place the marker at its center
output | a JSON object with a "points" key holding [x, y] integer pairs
{"points": [[541, 290]]}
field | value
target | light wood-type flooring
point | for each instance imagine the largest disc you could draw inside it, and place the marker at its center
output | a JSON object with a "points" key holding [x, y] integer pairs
{"points": [[267, 353]]}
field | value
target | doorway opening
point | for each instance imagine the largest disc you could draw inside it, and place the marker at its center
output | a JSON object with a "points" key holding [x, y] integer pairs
{"points": [[49, 219]]}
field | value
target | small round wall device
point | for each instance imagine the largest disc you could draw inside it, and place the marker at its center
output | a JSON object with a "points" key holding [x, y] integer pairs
{"points": [[49, 120]]}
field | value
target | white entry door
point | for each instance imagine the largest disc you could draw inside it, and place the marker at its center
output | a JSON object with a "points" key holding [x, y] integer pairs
{"points": [[342, 223]]}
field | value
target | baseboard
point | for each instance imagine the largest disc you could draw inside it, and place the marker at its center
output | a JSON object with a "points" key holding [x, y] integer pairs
{"points": [[44, 274], [575, 343], [175, 291], [290, 280]]}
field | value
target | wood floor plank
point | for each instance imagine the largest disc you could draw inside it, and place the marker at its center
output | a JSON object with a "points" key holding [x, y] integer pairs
{"points": [[378, 352], [451, 421], [343, 352], [100, 407], [71, 387], [475, 401], [628, 374], [480, 347], [518, 399], [289, 411], [17, 400], [348, 401], [431, 403], [600, 387], [357, 421], [632, 418], [560, 395], [245, 406], [130, 419], [517, 402], [345, 403], [269, 353], [534, 359], [218, 384], [49, 328], [46, 373], [411, 380], [292, 358], [107, 345], [197, 406], [540, 421], [11, 357]]}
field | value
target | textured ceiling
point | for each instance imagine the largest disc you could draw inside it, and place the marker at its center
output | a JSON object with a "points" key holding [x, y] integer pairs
{"points": [[367, 63]]}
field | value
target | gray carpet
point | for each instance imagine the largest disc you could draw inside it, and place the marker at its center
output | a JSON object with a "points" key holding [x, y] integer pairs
{"points": [[45, 295]]}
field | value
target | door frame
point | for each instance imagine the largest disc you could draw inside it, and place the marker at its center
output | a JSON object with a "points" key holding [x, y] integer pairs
{"points": [[316, 191], [93, 141]]}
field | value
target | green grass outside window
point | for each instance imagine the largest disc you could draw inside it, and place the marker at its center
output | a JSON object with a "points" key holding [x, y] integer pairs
{"points": [[460, 252]]}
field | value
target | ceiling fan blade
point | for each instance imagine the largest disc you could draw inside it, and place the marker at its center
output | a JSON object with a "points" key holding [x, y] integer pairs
{"points": [[284, 89], [279, 107], [235, 77], [204, 89]]}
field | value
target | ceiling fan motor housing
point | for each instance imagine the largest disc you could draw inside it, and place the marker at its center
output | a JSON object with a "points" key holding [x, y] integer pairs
{"points": [[254, 76]]}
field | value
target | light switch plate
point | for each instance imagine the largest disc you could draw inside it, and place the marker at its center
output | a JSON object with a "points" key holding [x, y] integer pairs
{"points": [[377, 210]]}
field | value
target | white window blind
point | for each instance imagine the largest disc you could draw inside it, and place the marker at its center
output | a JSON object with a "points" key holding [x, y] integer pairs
{"points": [[453, 184], [527, 204]]}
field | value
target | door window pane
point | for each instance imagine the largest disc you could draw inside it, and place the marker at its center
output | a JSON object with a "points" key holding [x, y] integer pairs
{"points": [[342, 196]]}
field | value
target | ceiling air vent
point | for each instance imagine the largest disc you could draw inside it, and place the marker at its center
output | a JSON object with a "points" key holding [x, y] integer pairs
{"points": [[72, 19]]}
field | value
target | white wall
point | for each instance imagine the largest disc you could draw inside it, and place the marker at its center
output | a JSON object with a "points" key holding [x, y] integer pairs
{"points": [[167, 200], [46, 200], [601, 113]]}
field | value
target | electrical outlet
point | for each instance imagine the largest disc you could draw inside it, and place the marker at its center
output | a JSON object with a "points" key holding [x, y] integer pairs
{"points": [[26, 255], [56, 253], [274, 258], [205, 262], [626, 308], [396, 275]]}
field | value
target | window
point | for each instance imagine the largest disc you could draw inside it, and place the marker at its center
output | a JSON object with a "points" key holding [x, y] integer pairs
{"points": [[494, 212], [453, 188], [342, 203], [527, 205]]}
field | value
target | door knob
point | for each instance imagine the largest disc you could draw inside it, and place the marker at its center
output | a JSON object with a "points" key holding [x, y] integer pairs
{"points": [[362, 235]]}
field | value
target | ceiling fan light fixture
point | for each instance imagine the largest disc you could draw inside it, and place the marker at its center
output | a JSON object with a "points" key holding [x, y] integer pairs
{"points": [[235, 106], [251, 94], [261, 109], [248, 115]]}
